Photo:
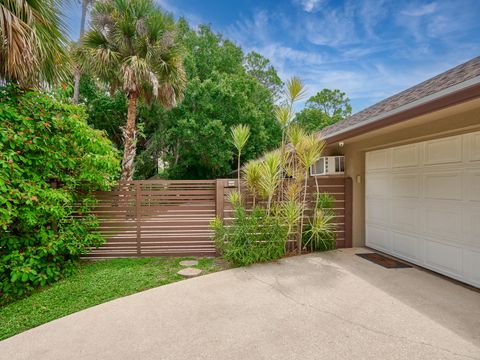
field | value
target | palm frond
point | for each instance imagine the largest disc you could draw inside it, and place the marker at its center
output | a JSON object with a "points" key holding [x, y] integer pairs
{"points": [[33, 49]]}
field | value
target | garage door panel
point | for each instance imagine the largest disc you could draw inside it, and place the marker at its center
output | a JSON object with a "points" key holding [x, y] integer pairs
{"points": [[406, 246], [423, 204], [443, 257], [473, 186], [405, 215], [405, 156], [444, 222], [378, 160], [443, 185], [405, 185], [471, 225], [471, 266], [379, 237], [443, 151], [377, 212], [378, 185], [473, 147]]}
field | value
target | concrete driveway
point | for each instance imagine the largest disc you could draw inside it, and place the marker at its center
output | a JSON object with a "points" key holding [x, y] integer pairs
{"points": [[322, 306]]}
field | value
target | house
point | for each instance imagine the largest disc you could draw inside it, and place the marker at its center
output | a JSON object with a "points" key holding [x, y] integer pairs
{"points": [[414, 159]]}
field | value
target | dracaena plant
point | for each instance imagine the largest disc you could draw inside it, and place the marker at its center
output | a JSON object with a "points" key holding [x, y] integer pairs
{"points": [[251, 173], [240, 135]]}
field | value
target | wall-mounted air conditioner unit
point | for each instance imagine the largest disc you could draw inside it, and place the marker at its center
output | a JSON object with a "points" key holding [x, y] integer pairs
{"points": [[328, 165]]}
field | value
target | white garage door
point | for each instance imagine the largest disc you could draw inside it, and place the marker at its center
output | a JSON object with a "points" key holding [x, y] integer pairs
{"points": [[423, 204]]}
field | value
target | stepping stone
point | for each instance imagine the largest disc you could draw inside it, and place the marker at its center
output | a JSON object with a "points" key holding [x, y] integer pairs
{"points": [[190, 272], [189, 263]]}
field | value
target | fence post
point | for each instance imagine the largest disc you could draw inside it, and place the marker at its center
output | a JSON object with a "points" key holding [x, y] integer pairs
{"points": [[348, 219], [219, 197], [138, 215]]}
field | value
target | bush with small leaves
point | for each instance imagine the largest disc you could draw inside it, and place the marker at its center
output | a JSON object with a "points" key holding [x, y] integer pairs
{"points": [[255, 236], [50, 162]]}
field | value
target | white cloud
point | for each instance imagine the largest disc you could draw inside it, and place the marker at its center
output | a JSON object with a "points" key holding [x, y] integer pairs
{"points": [[333, 28], [309, 5], [417, 10]]}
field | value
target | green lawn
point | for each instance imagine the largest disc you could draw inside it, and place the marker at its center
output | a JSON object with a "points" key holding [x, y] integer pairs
{"points": [[96, 282]]}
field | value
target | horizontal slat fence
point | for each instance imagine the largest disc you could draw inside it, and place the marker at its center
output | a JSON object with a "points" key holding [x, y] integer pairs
{"points": [[172, 217], [339, 187], [157, 217]]}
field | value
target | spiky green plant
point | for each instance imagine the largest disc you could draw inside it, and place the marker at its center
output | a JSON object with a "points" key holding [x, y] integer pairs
{"points": [[270, 175], [291, 210], [296, 89], [235, 198], [295, 135], [240, 134], [308, 151], [251, 174], [321, 232]]}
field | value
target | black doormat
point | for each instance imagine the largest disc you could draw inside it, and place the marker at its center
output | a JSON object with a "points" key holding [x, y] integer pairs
{"points": [[384, 261]]}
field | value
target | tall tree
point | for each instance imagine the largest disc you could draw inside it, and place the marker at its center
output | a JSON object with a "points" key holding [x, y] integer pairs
{"points": [[32, 42], [78, 72], [192, 139], [134, 44], [261, 69], [323, 109]]}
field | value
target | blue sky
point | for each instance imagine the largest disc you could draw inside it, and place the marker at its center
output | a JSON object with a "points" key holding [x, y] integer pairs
{"points": [[370, 49]]}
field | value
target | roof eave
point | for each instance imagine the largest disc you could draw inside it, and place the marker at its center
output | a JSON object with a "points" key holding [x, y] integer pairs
{"points": [[465, 91]]}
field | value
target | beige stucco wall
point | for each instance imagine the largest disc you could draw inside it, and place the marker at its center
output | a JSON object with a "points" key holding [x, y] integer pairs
{"points": [[461, 118]]}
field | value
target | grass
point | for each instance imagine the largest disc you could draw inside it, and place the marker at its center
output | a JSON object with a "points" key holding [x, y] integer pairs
{"points": [[95, 282]]}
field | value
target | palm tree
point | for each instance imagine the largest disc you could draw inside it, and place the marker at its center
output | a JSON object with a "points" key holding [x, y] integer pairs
{"points": [[134, 45], [78, 72], [240, 135], [33, 44]]}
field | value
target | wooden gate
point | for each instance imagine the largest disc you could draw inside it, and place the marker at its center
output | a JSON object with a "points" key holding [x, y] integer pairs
{"points": [[157, 217]]}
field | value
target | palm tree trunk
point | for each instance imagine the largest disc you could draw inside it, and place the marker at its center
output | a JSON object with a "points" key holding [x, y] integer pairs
{"points": [[78, 74], [130, 141]]}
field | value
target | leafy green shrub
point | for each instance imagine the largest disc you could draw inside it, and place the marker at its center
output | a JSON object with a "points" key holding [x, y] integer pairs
{"points": [[251, 238], [50, 160]]}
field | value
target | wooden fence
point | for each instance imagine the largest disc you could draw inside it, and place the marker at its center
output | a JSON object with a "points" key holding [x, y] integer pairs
{"points": [[338, 187], [170, 217], [157, 217]]}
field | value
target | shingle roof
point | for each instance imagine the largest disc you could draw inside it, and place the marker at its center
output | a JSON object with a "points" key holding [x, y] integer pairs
{"points": [[449, 78]]}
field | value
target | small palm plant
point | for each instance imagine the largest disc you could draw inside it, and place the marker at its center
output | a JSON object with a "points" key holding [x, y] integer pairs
{"points": [[240, 135], [321, 232], [251, 174], [295, 91], [308, 151], [270, 175], [235, 198]]}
